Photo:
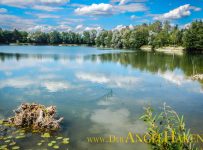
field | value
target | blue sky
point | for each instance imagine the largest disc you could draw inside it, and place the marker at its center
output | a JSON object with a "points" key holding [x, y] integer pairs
{"points": [[80, 15]]}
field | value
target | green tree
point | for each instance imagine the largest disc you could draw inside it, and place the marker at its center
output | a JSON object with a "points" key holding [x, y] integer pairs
{"points": [[139, 38], [117, 39], [157, 34], [126, 34], [39, 37], [86, 37], [55, 37], [1, 36], [16, 37], [193, 37], [102, 39], [176, 36], [167, 26], [156, 27], [24, 37], [7, 36], [108, 39]]}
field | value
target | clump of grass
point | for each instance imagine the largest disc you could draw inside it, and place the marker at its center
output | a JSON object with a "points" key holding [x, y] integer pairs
{"points": [[167, 130]]}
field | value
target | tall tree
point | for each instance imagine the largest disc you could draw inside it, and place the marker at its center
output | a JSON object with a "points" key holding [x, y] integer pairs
{"points": [[55, 38], [193, 37], [38, 37]]}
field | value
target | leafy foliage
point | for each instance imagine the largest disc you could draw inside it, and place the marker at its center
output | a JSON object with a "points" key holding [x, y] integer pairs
{"points": [[169, 123], [193, 36], [157, 35]]}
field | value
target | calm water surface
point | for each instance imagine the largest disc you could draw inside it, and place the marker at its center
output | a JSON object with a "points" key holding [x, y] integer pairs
{"points": [[99, 92]]}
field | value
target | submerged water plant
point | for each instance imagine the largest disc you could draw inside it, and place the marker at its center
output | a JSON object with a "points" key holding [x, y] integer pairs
{"points": [[167, 130]]}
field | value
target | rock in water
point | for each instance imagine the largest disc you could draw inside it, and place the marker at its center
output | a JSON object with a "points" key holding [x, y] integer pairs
{"points": [[36, 117]]}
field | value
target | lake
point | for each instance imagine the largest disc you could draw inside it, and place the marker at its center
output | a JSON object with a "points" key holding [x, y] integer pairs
{"points": [[99, 92]]}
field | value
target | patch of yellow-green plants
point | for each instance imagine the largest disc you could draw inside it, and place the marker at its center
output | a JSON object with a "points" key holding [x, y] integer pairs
{"points": [[167, 130], [12, 137], [9, 139], [54, 142]]}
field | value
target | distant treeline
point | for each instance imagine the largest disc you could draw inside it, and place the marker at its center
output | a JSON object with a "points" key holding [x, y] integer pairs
{"points": [[156, 35]]}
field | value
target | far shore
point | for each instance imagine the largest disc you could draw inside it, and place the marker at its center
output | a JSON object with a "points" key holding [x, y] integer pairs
{"points": [[34, 44], [171, 50], [174, 50]]}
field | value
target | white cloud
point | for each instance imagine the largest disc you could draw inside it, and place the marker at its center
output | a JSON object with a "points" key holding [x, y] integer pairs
{"points": [[110, 101], [32, 25], [92, 77], [3, 10], [49, 28], [93, 28], [119, 27], [44, 16], [17, 22], [108, 9], [63, 28], [11, 66], [133, 17], [135, 7], [115, 121], [112, 80], [174, 78], [28, 3], [195, 8], [117, 117], [131, 27], [26, 82], [46, 8], [122, 2], [95, 9], [77, 5], [53, 1], [43, 28], [71, 21], [185, 26], [180, 12], [55, 86], [79, 27], [21, 82]]}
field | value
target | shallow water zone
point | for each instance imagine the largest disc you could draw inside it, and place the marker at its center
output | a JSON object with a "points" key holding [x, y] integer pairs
{"points": [[99, 92]]}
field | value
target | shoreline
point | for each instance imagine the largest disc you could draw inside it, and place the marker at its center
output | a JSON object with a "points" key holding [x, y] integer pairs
{"points": [[34, 44], [172, 50]]}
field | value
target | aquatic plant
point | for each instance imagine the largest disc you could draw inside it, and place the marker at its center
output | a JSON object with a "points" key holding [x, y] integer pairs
{"points": [[167, 130], [12, 138], [53, 141], [9, 136], [31, 120]]}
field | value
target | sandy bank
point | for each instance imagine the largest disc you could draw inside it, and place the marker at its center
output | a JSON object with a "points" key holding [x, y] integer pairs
{"points": [[197, 77], [168, 50]]}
